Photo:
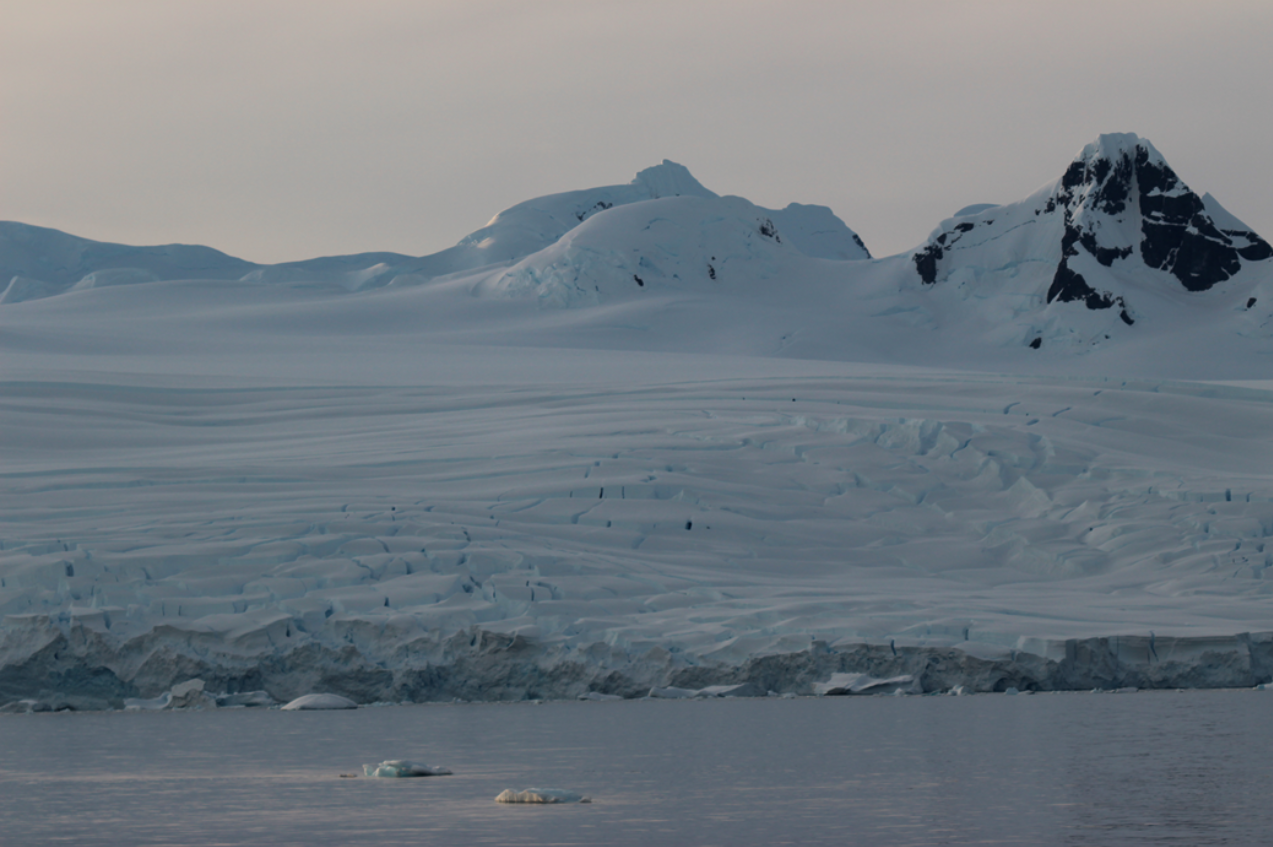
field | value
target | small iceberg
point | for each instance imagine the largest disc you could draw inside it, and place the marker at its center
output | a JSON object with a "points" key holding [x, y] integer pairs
{"points": [[398, 768], [139, 704], [860, 683], [246, 699], [672, 693], [314, 702], [183, 695], [541, 795], [598, 696], [745, 689]]}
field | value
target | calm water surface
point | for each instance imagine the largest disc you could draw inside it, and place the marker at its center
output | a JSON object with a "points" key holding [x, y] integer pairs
{"points": [[1189, 768]]}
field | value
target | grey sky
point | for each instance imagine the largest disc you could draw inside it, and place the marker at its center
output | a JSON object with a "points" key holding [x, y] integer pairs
{"points": [[287, 129]]}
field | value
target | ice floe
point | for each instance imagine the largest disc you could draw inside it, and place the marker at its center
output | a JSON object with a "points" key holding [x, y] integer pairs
{"points": [[314, 702], [862, 683], [540, 796], [397, 768]]}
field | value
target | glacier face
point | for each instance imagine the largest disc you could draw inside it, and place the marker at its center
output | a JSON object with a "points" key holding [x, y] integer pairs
{"points": [[645, 436]]}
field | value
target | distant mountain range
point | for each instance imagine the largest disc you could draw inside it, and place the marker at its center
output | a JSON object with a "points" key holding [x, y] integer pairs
{"points": [[1117, 244], [38, 262]]}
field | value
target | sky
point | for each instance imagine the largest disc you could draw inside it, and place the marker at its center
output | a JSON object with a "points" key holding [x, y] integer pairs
{"points": [[280, 130]]}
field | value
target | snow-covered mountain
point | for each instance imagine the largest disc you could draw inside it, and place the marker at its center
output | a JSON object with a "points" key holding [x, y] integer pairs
{"points": [[1116, 263], [644, 435], [39, 262], [1119, 234]]}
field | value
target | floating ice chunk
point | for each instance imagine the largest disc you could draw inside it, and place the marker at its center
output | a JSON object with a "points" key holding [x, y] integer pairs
{"points": [[541, 795], [313, 702], [246, 698], [959, 691], [401, 768], [190, 695], [861, 683], [745, 689], [25, 707], [672, 693], [597, 695], [1012, 689], [839, 683], [184, 695], [138, 704]]}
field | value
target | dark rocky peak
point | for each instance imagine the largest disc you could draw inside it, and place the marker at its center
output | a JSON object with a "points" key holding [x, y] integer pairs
{"points": [[1117, 202], [1120, 196]]}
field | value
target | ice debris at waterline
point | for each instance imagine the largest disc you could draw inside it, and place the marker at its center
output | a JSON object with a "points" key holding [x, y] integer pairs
{"points": [[316, 702], [671, 692], [541, 795], [399, 768], [862, 683], [183, 695], [191, 694]]}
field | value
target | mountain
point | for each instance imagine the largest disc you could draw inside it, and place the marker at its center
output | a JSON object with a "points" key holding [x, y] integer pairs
{"points": [[1119, 234], [37, 262], [1118, 259], [40, 262]]}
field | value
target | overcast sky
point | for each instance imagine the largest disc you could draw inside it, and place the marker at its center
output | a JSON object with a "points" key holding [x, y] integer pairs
{"points": [[288, 129]]}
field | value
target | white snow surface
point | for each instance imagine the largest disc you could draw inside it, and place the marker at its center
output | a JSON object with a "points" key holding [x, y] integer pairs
{"points": [[794, 447]]}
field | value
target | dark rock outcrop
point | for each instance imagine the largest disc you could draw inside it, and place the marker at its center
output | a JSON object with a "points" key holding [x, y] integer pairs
{"points": [[1118, 201]]}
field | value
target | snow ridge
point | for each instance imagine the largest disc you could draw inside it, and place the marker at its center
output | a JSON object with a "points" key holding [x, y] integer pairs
{"points": [[37, 262]]}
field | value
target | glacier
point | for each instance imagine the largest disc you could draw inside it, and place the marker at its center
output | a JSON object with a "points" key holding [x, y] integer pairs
{"points": [[645, 437]]}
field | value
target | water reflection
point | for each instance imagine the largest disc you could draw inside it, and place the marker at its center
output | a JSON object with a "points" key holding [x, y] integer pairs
{"points": [[1140, 768]]}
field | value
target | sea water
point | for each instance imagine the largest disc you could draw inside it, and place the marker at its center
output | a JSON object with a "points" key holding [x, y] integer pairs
{"points": [[1103, 769]]}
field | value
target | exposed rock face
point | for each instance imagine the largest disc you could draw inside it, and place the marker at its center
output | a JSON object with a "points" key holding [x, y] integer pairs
{"points": [[1120, 204]]}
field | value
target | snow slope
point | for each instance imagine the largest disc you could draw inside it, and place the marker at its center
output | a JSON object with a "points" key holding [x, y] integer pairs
{"points": [[672, 445], [40, 262]]}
